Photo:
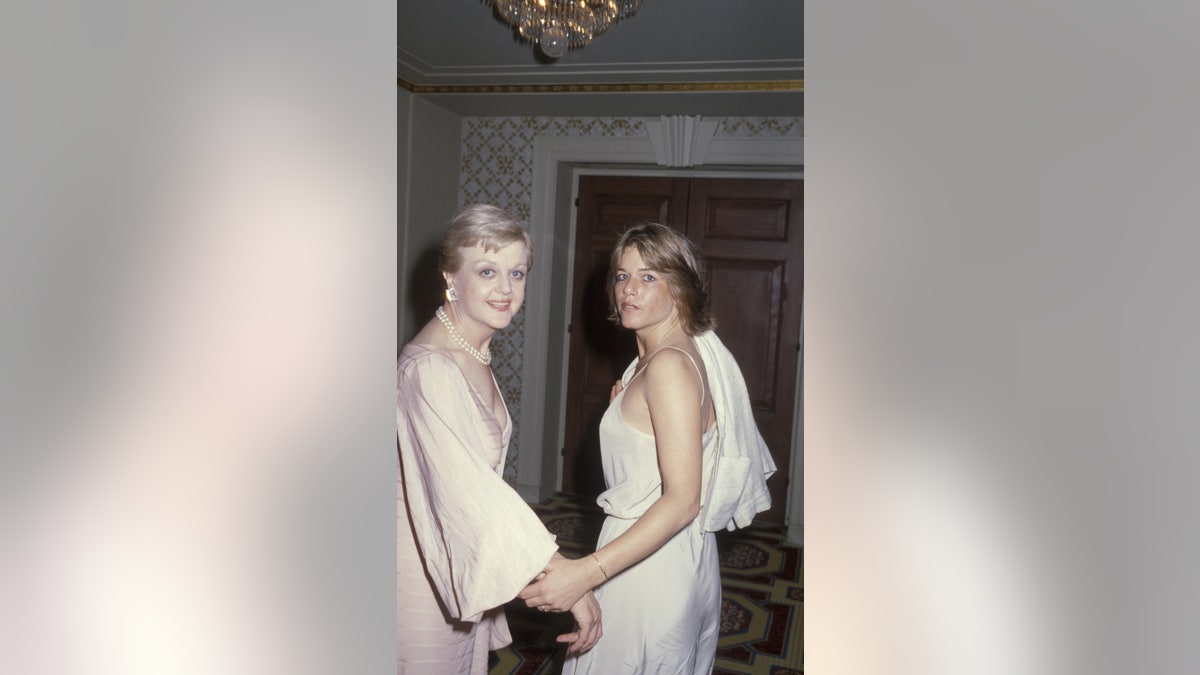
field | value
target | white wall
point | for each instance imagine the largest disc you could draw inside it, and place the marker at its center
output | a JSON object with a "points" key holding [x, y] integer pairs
{"points": [[429, 166]]}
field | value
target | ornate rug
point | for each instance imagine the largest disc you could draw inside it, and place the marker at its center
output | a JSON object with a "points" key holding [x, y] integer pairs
{"points": [[762, 604]]}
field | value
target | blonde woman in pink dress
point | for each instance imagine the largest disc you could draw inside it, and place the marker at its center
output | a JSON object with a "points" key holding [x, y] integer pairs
{"points": [[466, 542], [679, 463]]}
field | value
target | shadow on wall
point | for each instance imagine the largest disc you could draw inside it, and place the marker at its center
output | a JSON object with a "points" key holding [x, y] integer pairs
{"points": [[608, 350], [425, 292]]}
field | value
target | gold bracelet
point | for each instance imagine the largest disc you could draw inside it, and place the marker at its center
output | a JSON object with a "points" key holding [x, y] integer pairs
{"points": [[601, 566]]}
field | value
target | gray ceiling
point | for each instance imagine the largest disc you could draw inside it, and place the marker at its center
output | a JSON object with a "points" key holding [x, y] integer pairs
{"points": [[708, 57]]}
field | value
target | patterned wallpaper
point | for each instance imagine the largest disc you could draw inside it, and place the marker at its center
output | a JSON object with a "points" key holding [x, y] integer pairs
{"points": [[497, 168]]}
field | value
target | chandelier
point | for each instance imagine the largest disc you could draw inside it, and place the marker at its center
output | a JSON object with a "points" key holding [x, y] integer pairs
{"points": [[556, 25]]}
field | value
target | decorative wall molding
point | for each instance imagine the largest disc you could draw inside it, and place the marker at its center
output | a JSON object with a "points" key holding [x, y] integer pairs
{"points": [[681, 140], [742, 150], [604, 87]]}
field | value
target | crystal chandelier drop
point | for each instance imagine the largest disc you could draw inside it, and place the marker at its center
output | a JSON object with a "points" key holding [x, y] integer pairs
{"points": [[556, 25]]}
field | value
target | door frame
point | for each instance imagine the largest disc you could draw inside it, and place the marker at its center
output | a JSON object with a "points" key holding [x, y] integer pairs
{"points": [[556, 167]]}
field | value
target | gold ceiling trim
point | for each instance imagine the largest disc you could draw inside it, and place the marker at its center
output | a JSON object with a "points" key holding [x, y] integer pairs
{"points": [[623, 88]]}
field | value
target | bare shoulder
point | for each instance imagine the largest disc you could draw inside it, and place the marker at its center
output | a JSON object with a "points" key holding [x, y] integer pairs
{"points": [[681, 356], [673, 370], [668, 361]]}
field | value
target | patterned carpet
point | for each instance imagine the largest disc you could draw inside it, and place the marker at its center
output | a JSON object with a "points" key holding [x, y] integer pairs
{"points": [[762, 606]]}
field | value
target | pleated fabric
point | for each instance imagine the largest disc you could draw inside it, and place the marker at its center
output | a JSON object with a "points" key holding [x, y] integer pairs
{"points": [[466, 543]]}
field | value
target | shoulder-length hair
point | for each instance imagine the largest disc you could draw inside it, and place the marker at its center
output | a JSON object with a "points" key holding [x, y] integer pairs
{"points": [[679, 261], [490, 227]]}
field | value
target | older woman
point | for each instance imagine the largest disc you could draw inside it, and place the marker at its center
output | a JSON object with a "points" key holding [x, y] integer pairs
{"points": [[681, 458], [466, 542]]}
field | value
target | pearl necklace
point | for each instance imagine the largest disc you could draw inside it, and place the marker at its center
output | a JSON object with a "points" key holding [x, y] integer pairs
{"points": [[484, 357]]}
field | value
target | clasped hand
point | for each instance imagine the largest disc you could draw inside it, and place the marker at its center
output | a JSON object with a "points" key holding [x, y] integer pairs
{"points": [[560, 585], [564, 586]]}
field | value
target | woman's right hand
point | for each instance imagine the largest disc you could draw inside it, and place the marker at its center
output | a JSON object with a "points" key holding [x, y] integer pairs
{"points": [[561, 585]]}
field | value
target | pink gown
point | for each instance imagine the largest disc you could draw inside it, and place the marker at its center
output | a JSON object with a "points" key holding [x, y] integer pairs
{"points": [[466, 543]]}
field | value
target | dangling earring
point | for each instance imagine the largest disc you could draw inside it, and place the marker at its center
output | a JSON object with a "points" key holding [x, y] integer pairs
{"points": [[451, 296]]}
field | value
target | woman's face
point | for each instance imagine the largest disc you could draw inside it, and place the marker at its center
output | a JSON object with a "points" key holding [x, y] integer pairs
{"points": [[643, 295], [490, 286]]}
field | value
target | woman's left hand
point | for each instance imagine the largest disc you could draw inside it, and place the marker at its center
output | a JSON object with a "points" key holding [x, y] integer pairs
{"points": [[561, 585], [588, 628]]}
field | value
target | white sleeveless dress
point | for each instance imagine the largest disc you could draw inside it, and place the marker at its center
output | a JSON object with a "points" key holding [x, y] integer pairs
{"points": [[662, 615]]}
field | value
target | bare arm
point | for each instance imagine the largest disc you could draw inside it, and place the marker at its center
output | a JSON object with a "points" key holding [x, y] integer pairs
{"points": [[672, 394]]}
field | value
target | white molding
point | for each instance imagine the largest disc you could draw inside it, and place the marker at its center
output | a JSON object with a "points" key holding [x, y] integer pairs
{"points": [[795, 498], [731, 150], [544, 225], [661, 172], [417, 70], [681, 140]]}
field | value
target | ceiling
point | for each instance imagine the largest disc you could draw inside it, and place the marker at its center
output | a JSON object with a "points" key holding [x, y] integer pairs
{"points": [[674, 57]]}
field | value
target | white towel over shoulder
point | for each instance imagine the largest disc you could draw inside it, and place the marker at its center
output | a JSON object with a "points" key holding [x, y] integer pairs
{"points": [[736, 490]]}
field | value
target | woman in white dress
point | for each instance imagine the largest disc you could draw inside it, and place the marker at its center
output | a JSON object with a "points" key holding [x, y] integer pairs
{"points": [[466, 542], [655, 571]]}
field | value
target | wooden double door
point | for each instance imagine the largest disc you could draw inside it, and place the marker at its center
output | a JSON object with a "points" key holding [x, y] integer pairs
{"points": [[752, 233]]}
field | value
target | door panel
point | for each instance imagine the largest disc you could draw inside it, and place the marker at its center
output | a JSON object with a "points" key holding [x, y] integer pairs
{"points": [[742, 219], [755, 341], [752, 232]]}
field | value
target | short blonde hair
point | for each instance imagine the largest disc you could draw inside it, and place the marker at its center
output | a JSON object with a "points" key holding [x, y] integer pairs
{"points": [[679, 261], [490, 227]]}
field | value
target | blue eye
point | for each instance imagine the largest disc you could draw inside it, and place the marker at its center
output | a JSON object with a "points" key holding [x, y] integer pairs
{"points": [[485, 273], [621, 276], [648, 277], [518, 274]]}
